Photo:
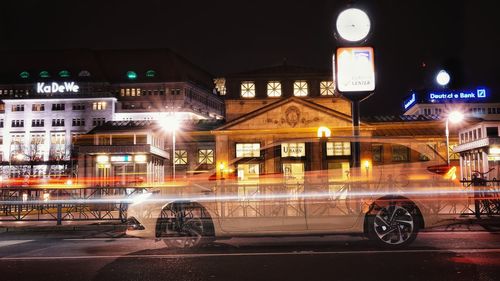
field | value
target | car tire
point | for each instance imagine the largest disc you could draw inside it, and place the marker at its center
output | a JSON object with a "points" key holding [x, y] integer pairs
{"points": [[393, 223], [185, 227]]}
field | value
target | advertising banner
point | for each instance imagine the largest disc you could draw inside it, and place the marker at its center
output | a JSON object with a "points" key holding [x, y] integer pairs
{"points": [[355, 69]]}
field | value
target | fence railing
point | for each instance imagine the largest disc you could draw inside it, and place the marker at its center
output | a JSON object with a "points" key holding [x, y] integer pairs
{"points": [[486, 195], [97, 203]]}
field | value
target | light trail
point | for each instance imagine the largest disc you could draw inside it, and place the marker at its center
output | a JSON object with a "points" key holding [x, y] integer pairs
{"points": [[349, 195]]}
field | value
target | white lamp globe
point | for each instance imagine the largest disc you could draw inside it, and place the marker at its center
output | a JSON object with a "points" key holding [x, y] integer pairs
{"points": [[443, 78], [455, 117], [353, 25]]}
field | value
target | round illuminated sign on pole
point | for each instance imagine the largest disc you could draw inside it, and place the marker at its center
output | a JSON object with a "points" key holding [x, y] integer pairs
{"points": [[443, 78], [353, 25]]}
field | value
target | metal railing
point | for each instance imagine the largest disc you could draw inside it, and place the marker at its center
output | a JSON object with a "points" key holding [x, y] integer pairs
{"points": [[79, 204], [486, 195]]}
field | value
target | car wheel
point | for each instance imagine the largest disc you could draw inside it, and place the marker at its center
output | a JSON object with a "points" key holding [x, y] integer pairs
{"points": [[184, 226], [393, 223]]}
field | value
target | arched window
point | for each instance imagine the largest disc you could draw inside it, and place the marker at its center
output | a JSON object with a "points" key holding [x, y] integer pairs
{"points": [[24, 75], [131, 75], [150, 73], [64, 73], [84, 73], [44, 74]]}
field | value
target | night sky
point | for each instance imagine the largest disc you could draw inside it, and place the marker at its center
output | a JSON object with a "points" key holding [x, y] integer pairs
{"points": [[412, 39]]}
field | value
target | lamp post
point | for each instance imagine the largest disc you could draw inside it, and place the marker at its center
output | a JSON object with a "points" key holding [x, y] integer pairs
{"points": [[453, 117], [171, 124], [354, 66]]}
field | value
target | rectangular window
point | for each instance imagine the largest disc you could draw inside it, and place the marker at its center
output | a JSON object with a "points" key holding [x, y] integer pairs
{"points": [[17, 123], [248, 150], [338, 148], [1, 123], [37, 122], [78, 106], [18, 107], [248, 89], [377, 153], [181, 157], [57, 122], [57, 146], [98, 121], [274, 89], [492, 132], [479, 133], [297, 149], [327, 88], [38, 107], [101, 105], [205, 156], [400, 153], [78, 122], [248, 171], [58, 107], [300, 89]]}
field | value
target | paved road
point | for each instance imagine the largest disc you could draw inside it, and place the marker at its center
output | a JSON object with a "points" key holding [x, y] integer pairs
{"points": [[471, 255]]}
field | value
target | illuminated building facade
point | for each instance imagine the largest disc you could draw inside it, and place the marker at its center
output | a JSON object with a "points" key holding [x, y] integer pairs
{"points": [[479, 149], [50, 97]]}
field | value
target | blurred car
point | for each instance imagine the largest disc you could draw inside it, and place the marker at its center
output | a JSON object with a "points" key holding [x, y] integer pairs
{"points": [[389, 204]]}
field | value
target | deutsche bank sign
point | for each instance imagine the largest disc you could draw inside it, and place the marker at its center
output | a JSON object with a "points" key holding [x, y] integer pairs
{"points": [[55, 88], [464, 95]]}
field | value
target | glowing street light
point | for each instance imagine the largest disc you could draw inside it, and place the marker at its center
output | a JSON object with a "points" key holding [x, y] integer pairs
{"points": [[324, 132], [443, 78], [171, 124], [453, 117]]}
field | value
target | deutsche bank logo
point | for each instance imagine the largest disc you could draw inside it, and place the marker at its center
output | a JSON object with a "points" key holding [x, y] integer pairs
{"points": [[481, 93]]}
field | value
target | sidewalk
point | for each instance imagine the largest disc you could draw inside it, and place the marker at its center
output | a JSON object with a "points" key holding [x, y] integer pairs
{"points": [[67, 226]]}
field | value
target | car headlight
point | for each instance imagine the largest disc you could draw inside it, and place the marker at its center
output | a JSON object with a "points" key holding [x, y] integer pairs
{"points": [[134, 224]]}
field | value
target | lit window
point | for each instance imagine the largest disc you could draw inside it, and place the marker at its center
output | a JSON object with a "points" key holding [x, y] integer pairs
{"points": [[101, 105], [274, 89], [44, 74], [206, 156], [295, 149], [181, 157], [326, 88], [24, 75], [220, 85], [300, 88], [338, 148], [64, 73], [131, 75], [150, 73], [400, 153], [248, 89], [248, 150]]}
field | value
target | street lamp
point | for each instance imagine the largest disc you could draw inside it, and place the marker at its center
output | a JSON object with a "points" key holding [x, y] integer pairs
{"points": [[453, 117], [171, 124], [443, 78]]}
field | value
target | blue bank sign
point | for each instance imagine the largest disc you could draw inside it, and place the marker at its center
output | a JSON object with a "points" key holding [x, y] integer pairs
{"points": [[461, 95]]}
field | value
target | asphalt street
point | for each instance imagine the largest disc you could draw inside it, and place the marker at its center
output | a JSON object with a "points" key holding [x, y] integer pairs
{"points": [[441, 255]]}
